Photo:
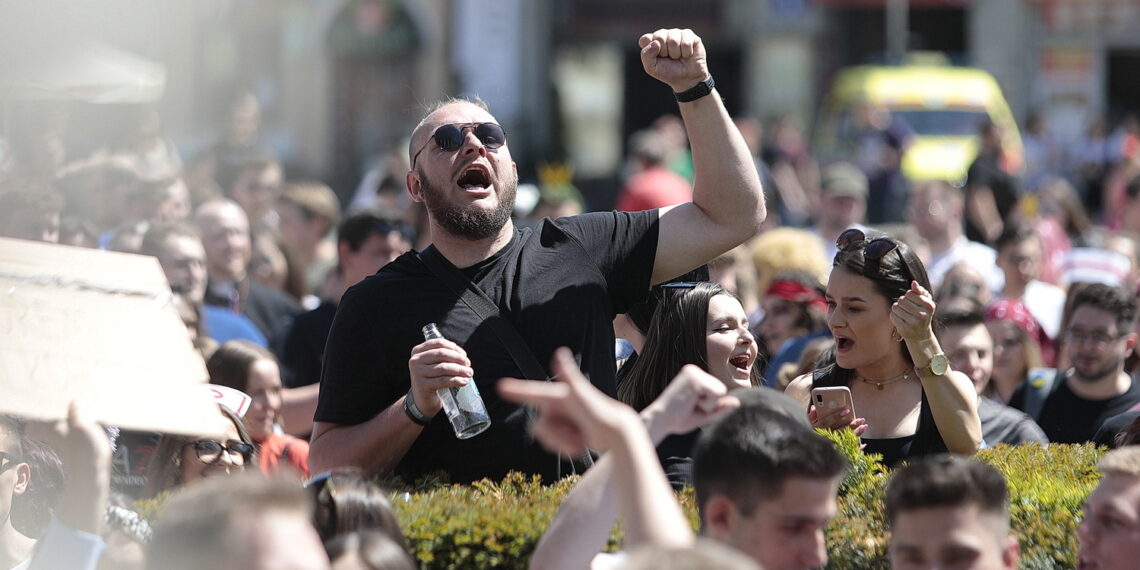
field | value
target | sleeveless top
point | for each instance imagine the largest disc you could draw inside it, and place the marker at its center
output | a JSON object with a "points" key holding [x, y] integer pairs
{"points": [[926, 440]]}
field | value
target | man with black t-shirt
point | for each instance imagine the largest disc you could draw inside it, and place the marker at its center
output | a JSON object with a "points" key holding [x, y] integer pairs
{"points": [[1099, 338], [559, 284]]}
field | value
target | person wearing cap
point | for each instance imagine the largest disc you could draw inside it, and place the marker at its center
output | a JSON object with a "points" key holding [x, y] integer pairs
{"points": [[843, 202], [307, 213]]}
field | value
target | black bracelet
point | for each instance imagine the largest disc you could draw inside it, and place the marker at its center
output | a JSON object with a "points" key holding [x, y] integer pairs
{"points": [[414, 412], [697, 91]]}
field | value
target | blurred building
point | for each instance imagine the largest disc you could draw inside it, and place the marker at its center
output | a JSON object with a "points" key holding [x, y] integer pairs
{"points": [[340, 81]]}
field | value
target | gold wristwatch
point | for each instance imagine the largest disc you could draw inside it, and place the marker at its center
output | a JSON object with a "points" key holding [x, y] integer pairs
{"points": [[938, 366]]}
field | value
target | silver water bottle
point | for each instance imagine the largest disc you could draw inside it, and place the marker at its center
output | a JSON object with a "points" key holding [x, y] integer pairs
{"points": [[463, 405]]}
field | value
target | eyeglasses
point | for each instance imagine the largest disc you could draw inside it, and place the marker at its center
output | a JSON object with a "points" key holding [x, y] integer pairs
{"points": [[1099, 338], [873, 252], [210, 450], [451, 137], [7, 461]]}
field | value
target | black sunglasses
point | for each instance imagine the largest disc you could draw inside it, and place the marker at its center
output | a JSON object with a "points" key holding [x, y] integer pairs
{"points": [[210, 450], [873, 252], [451, 137], [7, 461]]}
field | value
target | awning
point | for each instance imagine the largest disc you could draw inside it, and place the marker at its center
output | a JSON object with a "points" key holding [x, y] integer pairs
{"points": [[85, 71]]}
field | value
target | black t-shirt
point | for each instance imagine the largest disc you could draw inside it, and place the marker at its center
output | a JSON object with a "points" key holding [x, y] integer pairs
{"points": [[304, 348], [1113, 427], [1068, 418], [987, 172], [559, 284]]}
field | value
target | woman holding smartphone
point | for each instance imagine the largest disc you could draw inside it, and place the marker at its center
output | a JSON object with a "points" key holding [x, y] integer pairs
{"points": [[907, 401]]}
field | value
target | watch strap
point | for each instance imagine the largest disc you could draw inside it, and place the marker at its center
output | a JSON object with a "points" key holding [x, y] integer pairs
{"points": [[413, 412], [697, 91]]}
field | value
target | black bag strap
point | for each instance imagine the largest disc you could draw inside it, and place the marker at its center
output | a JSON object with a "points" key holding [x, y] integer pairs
{"points": [[488, 311], [477, 300]]}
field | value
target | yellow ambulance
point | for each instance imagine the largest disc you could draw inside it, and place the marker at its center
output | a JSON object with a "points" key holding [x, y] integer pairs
{"points": [[942, 105]]}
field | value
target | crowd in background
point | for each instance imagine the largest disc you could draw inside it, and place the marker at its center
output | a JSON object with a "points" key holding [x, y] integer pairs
{"points": [[258, 262]]}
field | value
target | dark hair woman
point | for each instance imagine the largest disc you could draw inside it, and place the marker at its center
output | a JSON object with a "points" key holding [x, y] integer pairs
{"points": [[880, 313], [245, 366], [695, 323]]}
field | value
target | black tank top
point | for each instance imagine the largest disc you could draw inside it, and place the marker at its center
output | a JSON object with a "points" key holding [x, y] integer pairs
{"points": [[925, 441]]}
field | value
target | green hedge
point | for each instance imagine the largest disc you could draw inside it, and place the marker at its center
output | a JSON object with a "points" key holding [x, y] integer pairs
{"points": [[491, 524]]}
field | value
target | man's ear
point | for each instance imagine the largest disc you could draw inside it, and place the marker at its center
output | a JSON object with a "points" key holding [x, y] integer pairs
{"points": [[719, 517], [23, 478], [415, 187], [1131, 340], [1011, 554]]}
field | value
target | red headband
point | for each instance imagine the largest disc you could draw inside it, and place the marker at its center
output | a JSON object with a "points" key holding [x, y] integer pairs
{"points": [[1015, 311], [796, 293]]}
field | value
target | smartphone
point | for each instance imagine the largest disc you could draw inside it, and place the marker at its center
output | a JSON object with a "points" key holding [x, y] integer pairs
{"points": [[831, 398]]}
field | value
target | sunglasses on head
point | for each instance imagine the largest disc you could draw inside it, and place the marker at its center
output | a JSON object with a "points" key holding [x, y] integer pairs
{"points": [[451, 137], [873, 251]]}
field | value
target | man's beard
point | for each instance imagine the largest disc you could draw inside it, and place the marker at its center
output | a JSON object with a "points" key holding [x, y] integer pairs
{"points": [[470, 222], [1099, 371]]}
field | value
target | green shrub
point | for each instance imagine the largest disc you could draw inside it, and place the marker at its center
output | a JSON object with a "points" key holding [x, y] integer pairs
{"points": [[498, 524], [1047, 487]]}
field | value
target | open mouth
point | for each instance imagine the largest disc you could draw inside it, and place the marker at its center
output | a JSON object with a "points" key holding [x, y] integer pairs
{"points": [[743, 361], [474, 178], [843, 344]]}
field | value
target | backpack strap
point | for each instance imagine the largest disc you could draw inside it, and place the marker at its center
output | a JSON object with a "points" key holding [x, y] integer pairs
{"points": [[1038, 386], [477, 300], [488, 312]]}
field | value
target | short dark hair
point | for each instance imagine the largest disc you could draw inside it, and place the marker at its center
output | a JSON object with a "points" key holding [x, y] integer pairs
{"points": [[1115, 300], [1014, 233], [947, 481], [958, 315], [749, 454], [355, 229]]}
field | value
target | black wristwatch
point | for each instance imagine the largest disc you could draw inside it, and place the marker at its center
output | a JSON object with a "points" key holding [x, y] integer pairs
{"points": [[414, 412], [696, 92]]}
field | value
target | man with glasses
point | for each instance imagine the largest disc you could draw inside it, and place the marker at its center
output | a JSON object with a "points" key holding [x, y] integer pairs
{"points": [[558, 284], [1098, 339]]}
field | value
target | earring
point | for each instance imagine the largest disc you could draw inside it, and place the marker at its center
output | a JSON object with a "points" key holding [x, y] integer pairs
{"points": [[896, 336]]}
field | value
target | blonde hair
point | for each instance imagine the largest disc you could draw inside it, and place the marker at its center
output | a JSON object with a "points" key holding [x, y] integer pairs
{"points": [[783, 249], [314, 198], [1122, 461]]}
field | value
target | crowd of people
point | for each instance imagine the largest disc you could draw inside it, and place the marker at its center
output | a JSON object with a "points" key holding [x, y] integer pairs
{"points": [[686, 339]]}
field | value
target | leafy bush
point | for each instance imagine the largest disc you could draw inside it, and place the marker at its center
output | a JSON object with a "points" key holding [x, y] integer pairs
{"points": [[497, 525]]}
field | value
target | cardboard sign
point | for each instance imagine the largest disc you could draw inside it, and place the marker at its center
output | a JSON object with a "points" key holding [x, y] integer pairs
{"points": [[98, 328]]}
